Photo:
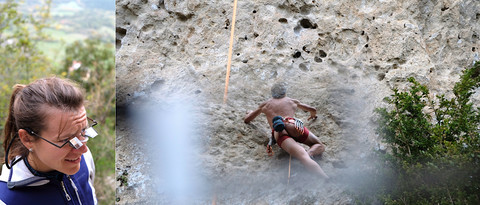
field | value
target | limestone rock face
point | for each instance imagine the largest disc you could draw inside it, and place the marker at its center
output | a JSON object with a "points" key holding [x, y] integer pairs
{"points": [[342, 57]]}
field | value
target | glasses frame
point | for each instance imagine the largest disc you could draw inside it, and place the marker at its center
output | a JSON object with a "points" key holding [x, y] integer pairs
{"points": [[30, 131]]}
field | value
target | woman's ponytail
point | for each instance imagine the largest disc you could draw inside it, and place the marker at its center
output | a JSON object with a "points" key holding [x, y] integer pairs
{"points": [[10, 129]]}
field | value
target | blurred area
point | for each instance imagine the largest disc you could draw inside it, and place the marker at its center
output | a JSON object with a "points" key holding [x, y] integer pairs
{"points": [[71, 39], [170, 131]]}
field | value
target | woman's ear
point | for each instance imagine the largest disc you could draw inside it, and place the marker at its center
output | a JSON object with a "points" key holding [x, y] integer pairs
{"points": [[25, 138]]}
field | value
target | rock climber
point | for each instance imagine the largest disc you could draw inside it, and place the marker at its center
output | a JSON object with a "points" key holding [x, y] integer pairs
{"points": [[287, 130]]}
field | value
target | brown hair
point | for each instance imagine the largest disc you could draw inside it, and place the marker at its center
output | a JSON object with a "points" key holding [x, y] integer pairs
{"points": [[28, 106]]}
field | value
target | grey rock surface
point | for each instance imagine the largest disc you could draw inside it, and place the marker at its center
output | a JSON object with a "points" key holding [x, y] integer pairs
{"points": [[342, 57]]}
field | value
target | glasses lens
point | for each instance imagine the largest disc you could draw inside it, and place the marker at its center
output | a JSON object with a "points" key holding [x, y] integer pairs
{"points": [[76, 143], [90, 132]]}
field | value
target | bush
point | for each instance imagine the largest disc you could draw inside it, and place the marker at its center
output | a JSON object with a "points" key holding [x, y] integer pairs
{"points": [[435, 144]]}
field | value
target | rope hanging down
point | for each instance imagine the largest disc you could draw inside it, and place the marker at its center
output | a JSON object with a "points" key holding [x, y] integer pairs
{"points": [[229, 62]]}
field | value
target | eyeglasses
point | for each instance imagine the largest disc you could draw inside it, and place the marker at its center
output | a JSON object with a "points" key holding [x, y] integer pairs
{"points": [[75, 142]]}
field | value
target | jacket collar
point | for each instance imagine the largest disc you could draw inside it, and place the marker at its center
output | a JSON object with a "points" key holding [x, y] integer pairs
{"points": [[19, 176]]}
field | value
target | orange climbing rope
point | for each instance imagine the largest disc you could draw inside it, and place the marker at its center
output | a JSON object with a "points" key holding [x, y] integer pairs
{"points": [[229, 62]]}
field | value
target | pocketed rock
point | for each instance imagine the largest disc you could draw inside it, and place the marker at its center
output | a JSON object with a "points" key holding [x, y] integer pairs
{"points": [[342, 57]]}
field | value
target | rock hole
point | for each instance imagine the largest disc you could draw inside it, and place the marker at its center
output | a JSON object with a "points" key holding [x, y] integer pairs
{"points": [[305, 23], [254, 11], [381, 76], [118, 43], [444, 8], [303, 67], [395, 66], [377, 67], [304, 48], [305, 10], [297, 54], [373, 18], [366, 45], [121, 31], [283, 20], [363, 33], [255, 34], [297, 29], [317, 59], [473, 49], [147, 28], [245, 61], [183, 17], [227, 23], [322, 54], [157, 84]]}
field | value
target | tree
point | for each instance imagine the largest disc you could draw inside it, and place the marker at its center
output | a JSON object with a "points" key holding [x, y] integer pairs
{"points": [[435, 143], [20, 60]]}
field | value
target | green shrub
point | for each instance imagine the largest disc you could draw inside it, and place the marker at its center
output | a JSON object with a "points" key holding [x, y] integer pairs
{"points": [[435, 144]]}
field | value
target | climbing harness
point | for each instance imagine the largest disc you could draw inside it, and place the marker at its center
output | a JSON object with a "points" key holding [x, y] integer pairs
{"points": [[298, 124], [279, 125]]}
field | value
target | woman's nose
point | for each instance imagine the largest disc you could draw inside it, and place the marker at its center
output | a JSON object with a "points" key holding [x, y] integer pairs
{"points": [[81, 149]]}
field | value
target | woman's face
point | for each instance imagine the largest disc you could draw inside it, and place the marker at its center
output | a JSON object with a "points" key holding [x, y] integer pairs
{"points": [[61, 126]]}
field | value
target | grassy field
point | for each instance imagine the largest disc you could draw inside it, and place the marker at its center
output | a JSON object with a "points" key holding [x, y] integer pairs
{"points": [[69, 23]]}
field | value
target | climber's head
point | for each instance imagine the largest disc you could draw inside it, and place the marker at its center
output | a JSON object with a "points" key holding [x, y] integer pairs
{"points": [[279, 90]]}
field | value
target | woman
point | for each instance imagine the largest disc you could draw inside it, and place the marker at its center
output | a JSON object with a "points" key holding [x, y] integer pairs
{"points": [[47, 160]]}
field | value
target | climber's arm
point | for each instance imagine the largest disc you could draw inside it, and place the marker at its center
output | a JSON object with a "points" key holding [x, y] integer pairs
{"points": [[253, 114], [308, 108]]}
